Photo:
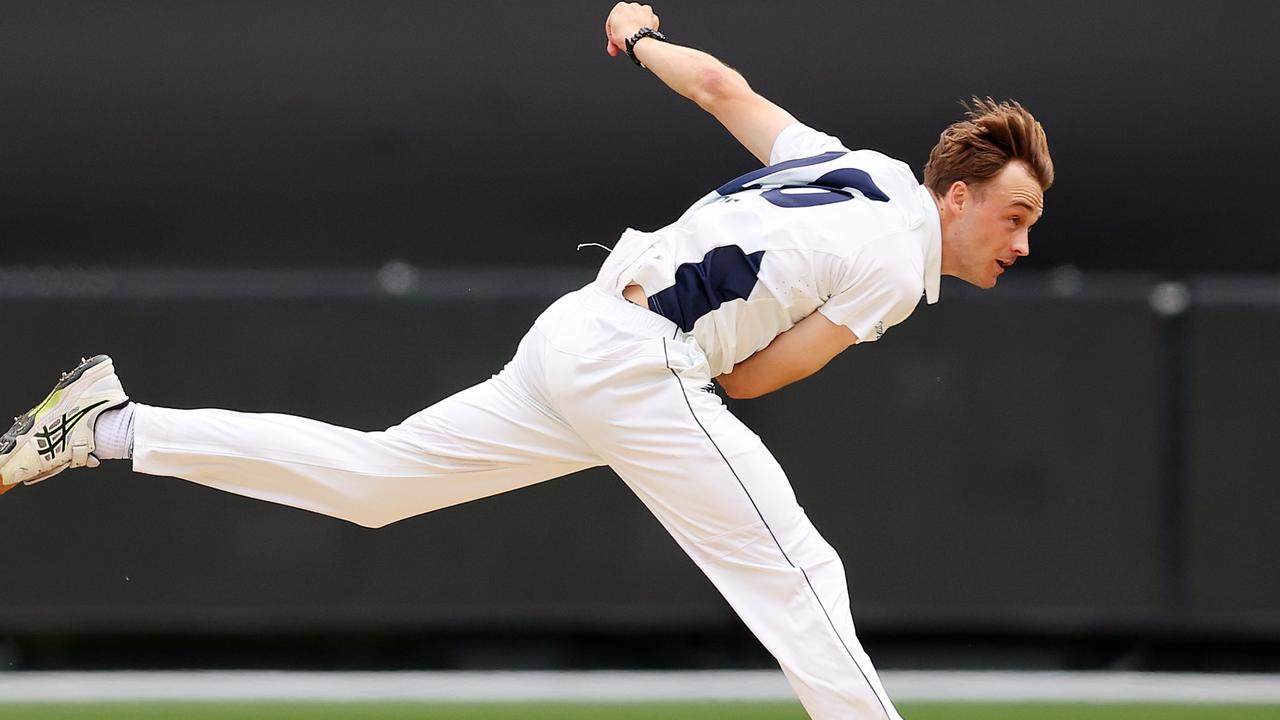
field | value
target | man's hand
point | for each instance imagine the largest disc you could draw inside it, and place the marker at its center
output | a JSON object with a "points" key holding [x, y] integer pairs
{"points": [[623, 22]]}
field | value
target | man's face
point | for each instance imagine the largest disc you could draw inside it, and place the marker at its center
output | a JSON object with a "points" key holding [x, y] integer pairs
{"points": [[989, 224]]}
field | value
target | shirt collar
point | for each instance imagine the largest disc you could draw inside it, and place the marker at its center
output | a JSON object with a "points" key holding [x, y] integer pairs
{"points": [[932, 247]]}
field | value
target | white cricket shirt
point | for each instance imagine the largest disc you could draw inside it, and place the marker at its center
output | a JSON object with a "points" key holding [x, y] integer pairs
{"points": [[848, 233]]}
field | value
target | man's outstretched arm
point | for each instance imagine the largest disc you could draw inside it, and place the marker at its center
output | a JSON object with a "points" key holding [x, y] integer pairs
{"points": [[714, 86]]}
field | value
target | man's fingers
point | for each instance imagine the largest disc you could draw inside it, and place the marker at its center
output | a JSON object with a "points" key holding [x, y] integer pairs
{"points": [[627, 13]]}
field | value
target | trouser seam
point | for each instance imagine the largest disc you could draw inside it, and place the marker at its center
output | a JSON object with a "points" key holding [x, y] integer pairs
{"points": [[805, 575]]}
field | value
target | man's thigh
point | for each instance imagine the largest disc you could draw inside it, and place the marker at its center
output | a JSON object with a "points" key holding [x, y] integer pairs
{"points": [[708, 478]]}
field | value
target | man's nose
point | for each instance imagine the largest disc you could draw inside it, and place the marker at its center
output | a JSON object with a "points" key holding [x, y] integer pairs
{"points": [[1022, 245]]}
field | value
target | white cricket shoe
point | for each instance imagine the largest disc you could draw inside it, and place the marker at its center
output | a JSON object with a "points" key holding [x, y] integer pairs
{"points": [[58, 433]]}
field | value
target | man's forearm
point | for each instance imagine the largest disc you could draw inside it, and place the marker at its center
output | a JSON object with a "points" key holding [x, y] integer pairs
{"points": [[794, 355], [714, 86], [692, 73]]}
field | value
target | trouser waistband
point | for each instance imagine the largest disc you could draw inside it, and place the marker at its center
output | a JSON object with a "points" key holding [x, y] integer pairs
{"points": [[626, 313]]}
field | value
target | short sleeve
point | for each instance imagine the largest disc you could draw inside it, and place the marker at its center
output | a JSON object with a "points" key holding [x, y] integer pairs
{"points": [[873, 301], [799, 141]]}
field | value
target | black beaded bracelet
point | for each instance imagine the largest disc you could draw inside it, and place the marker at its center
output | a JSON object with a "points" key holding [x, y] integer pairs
{"points": [[642, 33]]}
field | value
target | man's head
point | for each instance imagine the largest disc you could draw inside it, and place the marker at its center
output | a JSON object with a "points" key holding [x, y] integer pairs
{"points": [[988, 174]]}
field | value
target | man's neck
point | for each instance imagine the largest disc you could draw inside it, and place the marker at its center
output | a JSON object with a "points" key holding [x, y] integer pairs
{"points": [[944, 223]]}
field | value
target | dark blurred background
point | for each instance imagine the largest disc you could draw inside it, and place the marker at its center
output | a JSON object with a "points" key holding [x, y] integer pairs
{"points": [[332, 133], [348, 210]]}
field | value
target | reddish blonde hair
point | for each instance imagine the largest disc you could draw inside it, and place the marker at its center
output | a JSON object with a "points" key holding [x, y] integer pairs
{"points": [[976, 149]]}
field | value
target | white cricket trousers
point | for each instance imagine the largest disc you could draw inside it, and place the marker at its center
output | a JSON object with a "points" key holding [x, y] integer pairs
{"points": [[597, 380]]}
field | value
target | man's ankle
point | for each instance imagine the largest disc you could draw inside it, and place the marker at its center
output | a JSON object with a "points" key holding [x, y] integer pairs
{"points": [[113, 433]]}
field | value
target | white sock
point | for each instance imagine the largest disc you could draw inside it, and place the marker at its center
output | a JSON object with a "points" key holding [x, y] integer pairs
{"points": [[113, 434]]}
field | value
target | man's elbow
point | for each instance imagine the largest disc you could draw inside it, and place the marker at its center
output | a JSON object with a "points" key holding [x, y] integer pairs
{"points": [[718, 84], [736, 389], [745, 394]]}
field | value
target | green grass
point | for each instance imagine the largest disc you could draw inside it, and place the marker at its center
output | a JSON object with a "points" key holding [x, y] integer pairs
{"points": [[615, 711]]}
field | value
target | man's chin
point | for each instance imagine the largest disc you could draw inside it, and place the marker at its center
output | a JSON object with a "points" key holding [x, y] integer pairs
{"points": [[983, 283]]}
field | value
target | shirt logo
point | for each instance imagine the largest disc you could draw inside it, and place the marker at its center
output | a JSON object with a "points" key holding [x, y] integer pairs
{"points": [[879, 329]]}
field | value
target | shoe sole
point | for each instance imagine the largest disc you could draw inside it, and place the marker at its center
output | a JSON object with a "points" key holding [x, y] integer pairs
{"points": [[23, 424]]}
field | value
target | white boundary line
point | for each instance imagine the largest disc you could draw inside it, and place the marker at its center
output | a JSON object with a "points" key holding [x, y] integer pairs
{"points": [[1083, 687], [752, 686]]}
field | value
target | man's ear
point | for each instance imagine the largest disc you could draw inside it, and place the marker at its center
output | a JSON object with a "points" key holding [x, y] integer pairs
{"points": [[958, 195]]}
